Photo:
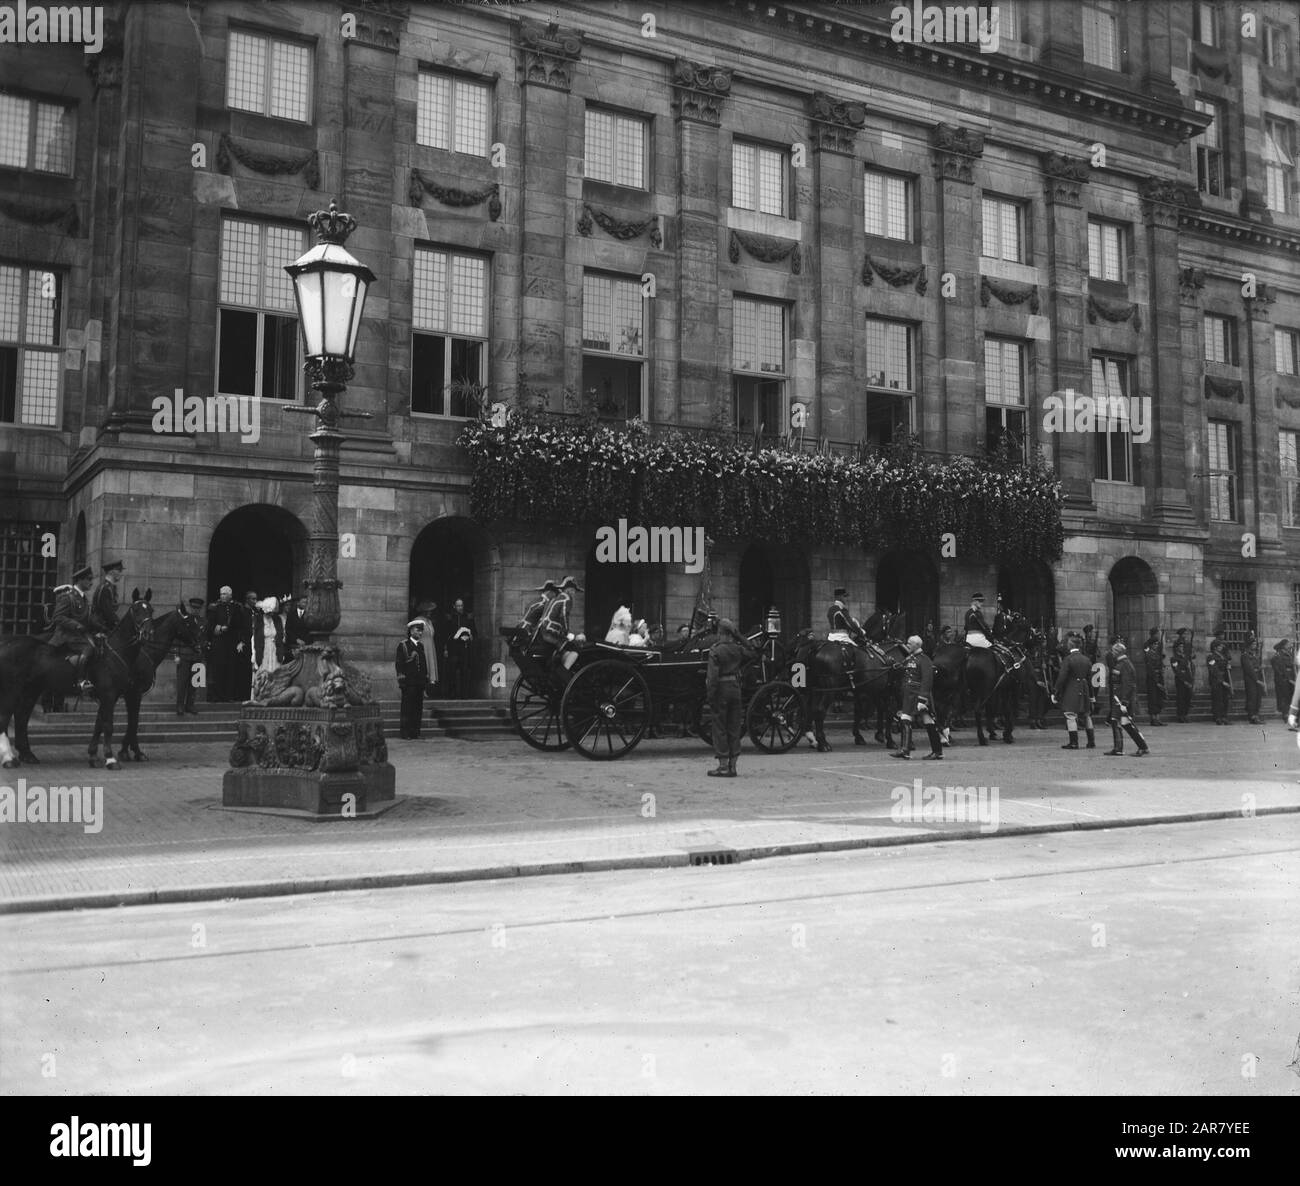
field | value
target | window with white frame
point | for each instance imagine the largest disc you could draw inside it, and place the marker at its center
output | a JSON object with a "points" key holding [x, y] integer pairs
{"points": [[1005, 416], [615, 148], [257, 325], [613, 345], [1207, 151], [1223, 468], [1279, 165], [1208, 21], [269, 76], [1107, 250], [1008, 17], [759, 178], [1286, 351], [891, 380], [449, 332], [1220, 339], [452, 113], [1111, 385], [1101, 34], [1290, 477], [758, 366], [31, 334], [1003, 230], [1277, 46], [889, 204], [35, 135]]}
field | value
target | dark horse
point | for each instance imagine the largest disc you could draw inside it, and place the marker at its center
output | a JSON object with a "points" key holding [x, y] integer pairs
{"points": [[178, 623], [989, 690], [29, 667], [833, 668]]}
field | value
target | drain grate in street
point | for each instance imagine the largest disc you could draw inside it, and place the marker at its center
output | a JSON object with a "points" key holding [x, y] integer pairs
{"points": [[714, 856]]}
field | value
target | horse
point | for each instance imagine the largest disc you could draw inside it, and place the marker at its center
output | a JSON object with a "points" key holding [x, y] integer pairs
{"points": [[179, 622], [29, 667], [882, 630], [836, 667], [990, 688]]}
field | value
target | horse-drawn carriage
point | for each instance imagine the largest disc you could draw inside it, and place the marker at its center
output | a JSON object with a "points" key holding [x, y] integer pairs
{"points": [[612, 697]]}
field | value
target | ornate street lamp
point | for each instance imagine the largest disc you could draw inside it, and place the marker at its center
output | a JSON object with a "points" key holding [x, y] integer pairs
{"points": [[312, 739]]}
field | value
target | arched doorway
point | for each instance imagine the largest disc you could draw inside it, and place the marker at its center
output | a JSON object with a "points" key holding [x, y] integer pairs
{"points": [[260, 549], [908, 582], [1028, 588], [1136, 601], [641, 587], [774, 575]]}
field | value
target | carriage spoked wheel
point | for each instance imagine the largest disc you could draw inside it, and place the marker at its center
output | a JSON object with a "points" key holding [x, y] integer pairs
{"points": [[606, 710], [535, 713], [776, 718]]}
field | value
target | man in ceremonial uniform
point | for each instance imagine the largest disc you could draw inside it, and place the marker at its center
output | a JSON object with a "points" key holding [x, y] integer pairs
{"points": [[412, 678], [225, 622], [1074, 694], [728, 657], [1089, 646], [530, 624], [554, 629], [1154, 652], [1283, 663], [1252, 677], [1001, 620], [74, 626], [1123, 692], [1184, 668], [978, 633], [841, 625], [1220, 677], [188, 657], [460, 633], [105, 599], [918, 694]]}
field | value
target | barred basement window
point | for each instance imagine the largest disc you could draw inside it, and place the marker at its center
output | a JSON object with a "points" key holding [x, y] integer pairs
{"points": [[1220, 339], [889, 203], [450, 318], [452, 113], [1286, 351], [1225, 445], [31, 330], [27, 578], [35, 135], [1207, 151], [268, 76], [1237, 611], [759, 178], [615, 149], [758, 365], [1290, 477], [1003, 225], [1101, 34], [613, 345], [1106, 250], [1005, 418]]}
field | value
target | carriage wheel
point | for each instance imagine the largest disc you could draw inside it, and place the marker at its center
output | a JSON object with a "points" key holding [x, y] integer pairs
{"points": [[606, 710], [535, 713], [776, 717]]}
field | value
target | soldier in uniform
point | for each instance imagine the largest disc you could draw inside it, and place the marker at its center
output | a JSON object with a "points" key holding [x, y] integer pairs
{"points": [[1123, 692], [1220, 677], [918, 693], [1184, 667], [1283, 663], [841, 625], [188, 656], [554, 630], [1074, 693], [531, 623], [1155, 664], [412, 677], [1001, 620], [978, 633], [1089, 646], [1252, 677], [105, 599], [74, 625], [728, 657]]}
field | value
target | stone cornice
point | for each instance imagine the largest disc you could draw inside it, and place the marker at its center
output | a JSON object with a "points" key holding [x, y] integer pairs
{"points": [[549, 53], [835, 122], [699, 90], [1240, 230]]}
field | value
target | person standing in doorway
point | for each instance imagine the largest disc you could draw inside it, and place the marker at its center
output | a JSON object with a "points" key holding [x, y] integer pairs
{"points": [[460, 634], [412, 678], [225, 622], [426, 612]]}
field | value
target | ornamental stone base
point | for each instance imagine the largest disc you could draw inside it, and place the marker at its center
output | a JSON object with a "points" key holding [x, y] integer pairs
{"points": [[320, 761]]}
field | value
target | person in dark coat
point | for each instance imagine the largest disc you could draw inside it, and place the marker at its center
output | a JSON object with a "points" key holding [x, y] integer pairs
{"points": [[105, 598], [295, 630], [1154, 652], [225, 631], [412, 678], [1123, 694], [188, 657], [1089, 646], [840, 624], [74, 627], [728, 658], [1218, 671], [918, 696], [1283, 663], [1184, 668], [460, 632], [1074, 694], [1252, 677], [530, 624]]}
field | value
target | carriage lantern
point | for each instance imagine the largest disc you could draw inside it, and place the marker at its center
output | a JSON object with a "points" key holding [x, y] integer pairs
{"points": [[773, 622]]}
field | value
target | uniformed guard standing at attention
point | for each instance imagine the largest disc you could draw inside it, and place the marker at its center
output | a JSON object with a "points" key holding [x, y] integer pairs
{"points": [[918, 693], [1283, 673], [1123, 692], [728, 658], [188, 657], [105, 598], [1074, 693], [1252, 677], [1154, 651], [1184, 668], [412, 676], [1220, 677]]}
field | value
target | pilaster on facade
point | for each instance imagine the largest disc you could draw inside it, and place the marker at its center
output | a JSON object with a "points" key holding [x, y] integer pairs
{"points": [[1164, 201], [835, 122], [699, 91], [380, 24], [1065, 177], [549, 52], [954, 151]]}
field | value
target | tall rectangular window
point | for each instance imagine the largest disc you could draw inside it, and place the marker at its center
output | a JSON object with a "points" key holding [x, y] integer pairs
{"points": [[1106, 251], [613, 345], [1111, 384], [889, 203], [1277, 46], [758, 178], [269, 76], [452, 113], [1220, 339], [1290, 477], [1279, 166], [28, 575], [1008, 13], [31, 328], [1101, 34], [1222, 461], [1207, 151], [1286, 351], [891, 379], [257, 328], [758, 366], [1208, 21], [1237, 612], [615, 149], [35, 135], [449, 338], [1003, 227], [1004, 396]]}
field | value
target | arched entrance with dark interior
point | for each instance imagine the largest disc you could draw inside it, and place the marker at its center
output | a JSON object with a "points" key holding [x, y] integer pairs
{"points": [[450, 559], [258, 548], [1136, 602], [907, 581], [641, 587], [1027, 587], [774, 575]]}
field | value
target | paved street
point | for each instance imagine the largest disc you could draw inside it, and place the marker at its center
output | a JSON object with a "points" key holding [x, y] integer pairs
{"points": [[1162, 959]]}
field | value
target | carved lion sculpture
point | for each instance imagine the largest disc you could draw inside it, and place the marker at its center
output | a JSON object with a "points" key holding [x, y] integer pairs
{"points": [[314, 677]]}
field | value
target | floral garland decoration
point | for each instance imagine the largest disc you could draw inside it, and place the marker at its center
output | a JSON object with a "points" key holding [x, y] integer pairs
{"points": [[459, 198], [35, 214], [765, 248], [1009, 294], [1224, 389], [617, 228], [1114, 311], [896, 276], [268, 163]]}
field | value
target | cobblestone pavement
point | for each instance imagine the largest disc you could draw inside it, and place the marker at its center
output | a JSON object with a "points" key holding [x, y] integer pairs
{"points": [[494, 808]]}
